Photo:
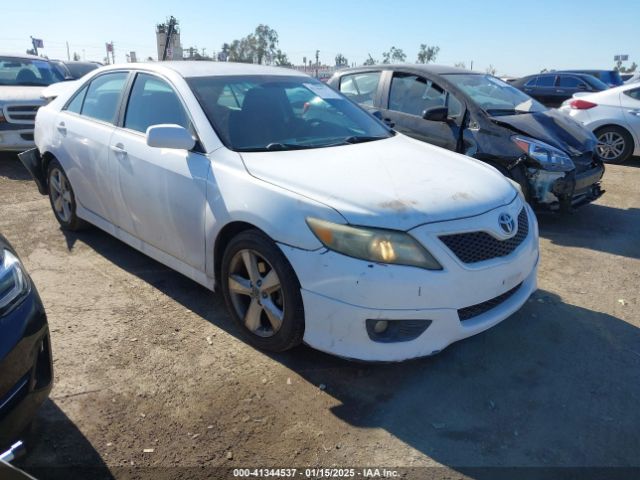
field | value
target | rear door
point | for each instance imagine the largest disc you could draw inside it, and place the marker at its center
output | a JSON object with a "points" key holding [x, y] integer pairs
{"points": [[630, 103], [84, 128], [567, 86], [408, 96], [161, 191], [546, 90]]}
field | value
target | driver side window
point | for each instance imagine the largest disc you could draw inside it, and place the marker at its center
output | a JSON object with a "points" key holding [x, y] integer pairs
{"points": [[152, 102], [413, 95]]}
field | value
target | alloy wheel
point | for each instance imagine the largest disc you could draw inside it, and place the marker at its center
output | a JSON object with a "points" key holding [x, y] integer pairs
{"points": [[60, 194], [256, 293], [611, 146]]}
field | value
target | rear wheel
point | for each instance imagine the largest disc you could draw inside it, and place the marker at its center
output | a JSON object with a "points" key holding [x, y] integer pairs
{"points": [[63, 201], [262, 292], [615, 145]]}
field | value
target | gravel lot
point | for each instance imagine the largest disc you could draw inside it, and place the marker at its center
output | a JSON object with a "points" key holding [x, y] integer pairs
{"points": [[147, 359]]}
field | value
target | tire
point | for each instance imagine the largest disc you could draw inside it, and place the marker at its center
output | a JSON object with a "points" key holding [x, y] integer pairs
{"points": [[62, 198], [615, 144], [267, 308]]}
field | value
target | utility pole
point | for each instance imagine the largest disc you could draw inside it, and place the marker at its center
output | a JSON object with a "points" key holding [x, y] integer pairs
{"points": [[68, 55], [203, 50], [317, 61], [170, 32]]}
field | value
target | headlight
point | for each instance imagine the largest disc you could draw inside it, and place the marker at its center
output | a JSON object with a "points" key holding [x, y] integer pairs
{"points": [[14, 282], [549, 158], [373, 244]]}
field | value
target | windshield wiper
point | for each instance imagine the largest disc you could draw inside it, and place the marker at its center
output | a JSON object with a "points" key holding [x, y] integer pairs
{"points": [[286, 146], [362, 139]]}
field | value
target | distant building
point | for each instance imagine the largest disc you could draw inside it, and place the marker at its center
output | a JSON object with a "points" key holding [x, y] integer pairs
{"points": [[174, 51]]}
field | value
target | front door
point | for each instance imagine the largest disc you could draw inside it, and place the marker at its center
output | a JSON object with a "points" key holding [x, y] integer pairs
{"points": [[409, 96], [162, 192]]}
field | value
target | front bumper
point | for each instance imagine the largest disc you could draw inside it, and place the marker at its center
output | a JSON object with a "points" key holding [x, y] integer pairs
{"points": [[26, 367], [16, 139], [341, 293]]}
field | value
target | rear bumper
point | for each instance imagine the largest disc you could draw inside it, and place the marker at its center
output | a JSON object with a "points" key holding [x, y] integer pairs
{"points": [[26, 369]]}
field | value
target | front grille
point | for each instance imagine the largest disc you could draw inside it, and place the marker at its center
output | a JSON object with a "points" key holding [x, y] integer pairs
{"points": [[476, 247], [25, 114], [468, 313]]}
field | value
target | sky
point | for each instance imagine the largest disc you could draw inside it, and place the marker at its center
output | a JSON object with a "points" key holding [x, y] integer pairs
{"points": [[515, 37]]}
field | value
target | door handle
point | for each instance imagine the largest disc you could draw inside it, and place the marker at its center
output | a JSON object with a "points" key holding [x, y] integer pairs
{"points": [[559, 91], [635, 112], [118, 148], [61, 128]]}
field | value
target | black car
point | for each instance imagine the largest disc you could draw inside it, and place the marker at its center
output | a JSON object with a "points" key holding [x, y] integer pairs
{"points": [[26, 369], [551, 89], [73, 70], [550, 155], [611, 78]]}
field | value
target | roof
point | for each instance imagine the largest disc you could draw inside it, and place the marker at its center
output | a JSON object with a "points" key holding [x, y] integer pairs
{"points": [[208, 68], [23, 56], [423, 67]]}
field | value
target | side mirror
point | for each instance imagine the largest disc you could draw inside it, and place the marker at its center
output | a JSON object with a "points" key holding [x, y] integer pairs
{"points": [[170, 136], [436, 114], [377, 114]]}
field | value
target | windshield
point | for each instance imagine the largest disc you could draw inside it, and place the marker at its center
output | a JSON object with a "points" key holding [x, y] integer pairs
{"points": [[27, 72], [495, 96], [262, 113]]}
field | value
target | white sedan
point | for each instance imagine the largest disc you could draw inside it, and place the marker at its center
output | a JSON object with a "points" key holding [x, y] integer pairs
{"points": [[613, 116], [316, 221]]}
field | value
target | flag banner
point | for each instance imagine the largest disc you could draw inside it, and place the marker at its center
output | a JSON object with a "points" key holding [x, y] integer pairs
{"points": [[37, 42]]}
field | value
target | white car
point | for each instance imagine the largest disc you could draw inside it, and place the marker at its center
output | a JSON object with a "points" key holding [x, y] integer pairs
{"points": [[613, 116], [22, 79], [316, 221]]}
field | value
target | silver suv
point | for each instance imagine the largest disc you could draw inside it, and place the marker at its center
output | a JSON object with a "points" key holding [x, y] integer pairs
{"points": [[22, 79]]}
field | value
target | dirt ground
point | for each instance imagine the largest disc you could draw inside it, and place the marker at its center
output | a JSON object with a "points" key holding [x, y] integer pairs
{"points": [[147, 359]]}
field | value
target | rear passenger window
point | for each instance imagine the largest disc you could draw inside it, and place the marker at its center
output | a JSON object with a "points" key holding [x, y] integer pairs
{"points": [[531, 83], [153, 102], [546, 81], [75, 105], [635, 93], [103, 96], [413, 94], [360, 87]]}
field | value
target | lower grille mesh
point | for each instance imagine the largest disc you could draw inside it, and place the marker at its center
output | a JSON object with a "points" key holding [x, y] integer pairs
{"points": [[468, 313]]}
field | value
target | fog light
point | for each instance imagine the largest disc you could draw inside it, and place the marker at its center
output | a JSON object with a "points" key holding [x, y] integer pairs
{"points": [[396, 330], [380, 326]]}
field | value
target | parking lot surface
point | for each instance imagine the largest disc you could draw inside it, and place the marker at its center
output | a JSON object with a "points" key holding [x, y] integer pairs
{"points": [[145, 359]]}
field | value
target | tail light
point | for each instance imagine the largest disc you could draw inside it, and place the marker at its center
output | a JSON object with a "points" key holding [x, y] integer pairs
{"points": [[579, 104]]}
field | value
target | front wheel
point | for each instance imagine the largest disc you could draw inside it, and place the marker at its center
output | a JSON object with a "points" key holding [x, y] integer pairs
{"points": [[63, 201], [262, 292]]}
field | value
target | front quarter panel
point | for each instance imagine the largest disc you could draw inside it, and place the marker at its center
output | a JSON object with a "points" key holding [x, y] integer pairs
{"points": [[233, 195]]}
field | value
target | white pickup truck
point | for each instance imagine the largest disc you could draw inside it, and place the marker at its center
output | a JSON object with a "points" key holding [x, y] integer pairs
{"points": [[22, 79]]}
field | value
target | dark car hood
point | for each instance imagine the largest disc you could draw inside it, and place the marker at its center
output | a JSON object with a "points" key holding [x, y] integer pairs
{"points": [[552, 127]]}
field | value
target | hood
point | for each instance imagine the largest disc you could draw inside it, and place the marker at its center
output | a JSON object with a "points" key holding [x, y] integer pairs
{"points": [[61, 88], [20, 94], [397, 183], [552, 127]]}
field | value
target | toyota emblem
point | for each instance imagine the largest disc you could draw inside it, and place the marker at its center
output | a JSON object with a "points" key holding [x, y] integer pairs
{"points": [[507, 223]]}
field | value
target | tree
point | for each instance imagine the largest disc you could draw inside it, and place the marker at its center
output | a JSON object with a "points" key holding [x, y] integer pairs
{"points": [[460, 65], [242, 50], [394, 55], [427, 54], [370, 61], [631, 69], [491, 70], [341, 61], [281, 59], [265, 43]]}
